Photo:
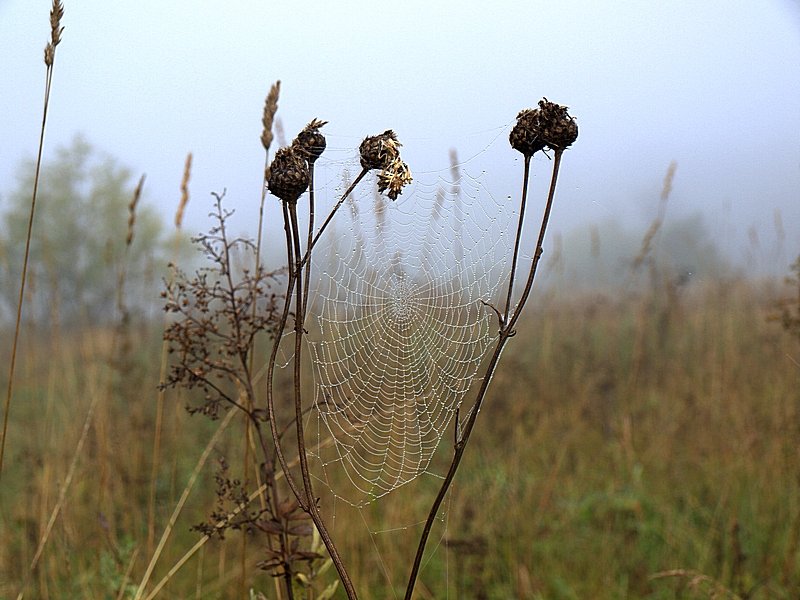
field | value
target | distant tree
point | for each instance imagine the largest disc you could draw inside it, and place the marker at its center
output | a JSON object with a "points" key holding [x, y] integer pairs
{"points": [[78, 246]]}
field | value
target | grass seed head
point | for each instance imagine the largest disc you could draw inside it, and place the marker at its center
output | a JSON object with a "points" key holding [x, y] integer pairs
{"points": [[56, 14], [288, 175], [310, 142], [270, 108], [549, 126]]}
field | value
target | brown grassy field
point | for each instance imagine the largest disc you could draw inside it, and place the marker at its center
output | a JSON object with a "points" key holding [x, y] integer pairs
{"points": [[636, 446]]}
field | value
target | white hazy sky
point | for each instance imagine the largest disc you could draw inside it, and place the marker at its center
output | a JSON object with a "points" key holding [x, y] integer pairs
{"points": [[713, 85]]}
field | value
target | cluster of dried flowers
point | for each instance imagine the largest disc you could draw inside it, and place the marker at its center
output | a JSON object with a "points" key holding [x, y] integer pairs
{"points": [[549, 126], [289, 175]]}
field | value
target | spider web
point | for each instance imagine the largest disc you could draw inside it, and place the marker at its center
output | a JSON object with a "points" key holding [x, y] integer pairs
{"points": [[399, 326]]}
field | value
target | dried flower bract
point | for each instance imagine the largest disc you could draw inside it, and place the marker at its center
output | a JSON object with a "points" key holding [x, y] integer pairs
{"points": [[549, 126], [288, 175], [394, 177], [310, 142], [378, 151]]}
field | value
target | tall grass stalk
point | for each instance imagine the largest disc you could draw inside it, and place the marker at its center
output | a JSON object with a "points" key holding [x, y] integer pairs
{"points": [[56, 13], [267, 119], [201, 461], [62, 494], [156, 459]]}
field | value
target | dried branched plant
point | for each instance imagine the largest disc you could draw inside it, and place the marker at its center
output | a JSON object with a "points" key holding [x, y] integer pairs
{"points": [[547, 127], [787, 311], [219, 312], [222, 309]]}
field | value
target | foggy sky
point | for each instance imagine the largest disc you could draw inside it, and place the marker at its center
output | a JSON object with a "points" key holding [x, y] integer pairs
{"points": [[712, 85]]}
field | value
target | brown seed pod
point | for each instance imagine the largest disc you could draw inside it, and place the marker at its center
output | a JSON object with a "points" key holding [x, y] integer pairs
{"points": [[549, 126], [378, 151], [288, 175], [310, 141]]}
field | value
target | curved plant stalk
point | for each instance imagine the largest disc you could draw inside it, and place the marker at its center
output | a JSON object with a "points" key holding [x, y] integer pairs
{"points": [[508, 321], [297, 261]]}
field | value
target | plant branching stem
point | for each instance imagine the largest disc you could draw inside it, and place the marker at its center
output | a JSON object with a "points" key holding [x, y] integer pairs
{"points": [[310, 505], [328, 219], [296, 261], [273, 423], [506, 331], [517, 240]]}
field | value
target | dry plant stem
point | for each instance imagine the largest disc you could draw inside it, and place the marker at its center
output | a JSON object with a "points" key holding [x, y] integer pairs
{"points": [[293, 259], [310, 242], [159, 423], [328, 219], [506, 331], [181, 502], [62, 494], [247, 408], [23, 277], [310, 500], [273, 423], [248, 431], [517, 240], [203, 540]]}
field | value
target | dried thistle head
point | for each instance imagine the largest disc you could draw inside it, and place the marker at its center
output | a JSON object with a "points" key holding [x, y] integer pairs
{"points": [[56, 14], [270, 108], [310, 142], [378, 151], [288, 175], [394, 177], [549, 126]]}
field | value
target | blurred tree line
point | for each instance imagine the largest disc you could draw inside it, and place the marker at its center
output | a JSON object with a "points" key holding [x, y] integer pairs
{"points": [[78, 248]]}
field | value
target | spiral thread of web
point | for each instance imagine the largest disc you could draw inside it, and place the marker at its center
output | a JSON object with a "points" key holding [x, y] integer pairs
{"points": [[398, 328]]}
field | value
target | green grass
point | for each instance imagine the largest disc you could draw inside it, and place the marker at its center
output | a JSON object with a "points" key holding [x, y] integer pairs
{"points": [[623, 437]]}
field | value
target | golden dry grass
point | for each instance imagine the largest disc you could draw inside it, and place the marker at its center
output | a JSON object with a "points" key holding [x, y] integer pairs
{"points": [[623, 438]]}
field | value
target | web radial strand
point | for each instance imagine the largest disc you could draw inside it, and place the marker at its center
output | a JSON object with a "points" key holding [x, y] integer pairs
{"points": [[398, 328]]}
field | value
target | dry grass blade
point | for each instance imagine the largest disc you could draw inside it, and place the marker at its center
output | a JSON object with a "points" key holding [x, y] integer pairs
{"points": [[698, 582], [63, 492], [181, 502]]}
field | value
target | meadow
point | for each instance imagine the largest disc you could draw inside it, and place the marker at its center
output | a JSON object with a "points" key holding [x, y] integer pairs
{"points": [[633, 445], [639, 441]]}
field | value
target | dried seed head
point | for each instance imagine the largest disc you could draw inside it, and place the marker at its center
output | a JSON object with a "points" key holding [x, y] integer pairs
{"points": [[137, 194], [394, 177], [378, 151], [549, 126], [288, 175], [56, 14], [187, 173], [270, 108], [310, 142]]}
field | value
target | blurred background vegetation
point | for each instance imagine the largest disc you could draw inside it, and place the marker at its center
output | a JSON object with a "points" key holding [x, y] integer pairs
{"points": [[639, 441]]}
